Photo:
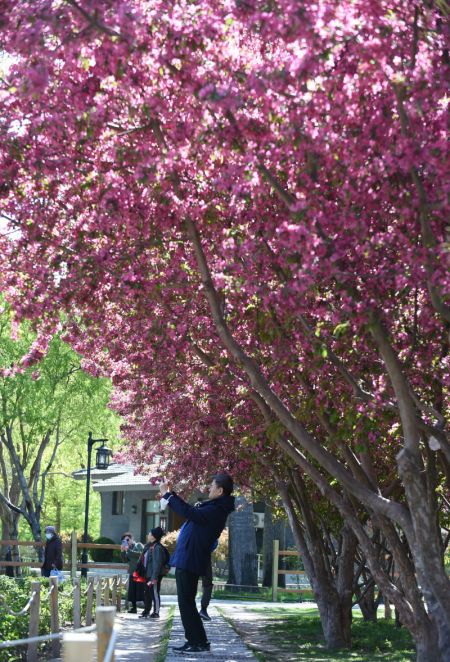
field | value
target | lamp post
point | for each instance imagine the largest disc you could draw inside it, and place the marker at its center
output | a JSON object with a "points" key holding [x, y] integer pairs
{"points": [[102, 462]]}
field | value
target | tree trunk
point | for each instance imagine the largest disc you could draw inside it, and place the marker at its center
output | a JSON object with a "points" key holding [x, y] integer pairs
{"points": [[243, 561], [420, 490], [13, 534], [427, 646], [426, 547], [334, 601], [5, 532], [334, 618], [58, 517], [368, 604], [387, 609]]}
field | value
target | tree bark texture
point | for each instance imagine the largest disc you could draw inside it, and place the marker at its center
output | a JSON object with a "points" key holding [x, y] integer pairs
{"points": [[332, 591]]}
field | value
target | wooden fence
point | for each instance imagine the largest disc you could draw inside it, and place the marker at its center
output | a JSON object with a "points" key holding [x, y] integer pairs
{"points": [[70, 553], [107, 593], [277, 552]]}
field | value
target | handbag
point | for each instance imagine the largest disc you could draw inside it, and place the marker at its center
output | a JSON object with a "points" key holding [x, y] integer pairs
{"points": [[58, 574], [138, 578]]}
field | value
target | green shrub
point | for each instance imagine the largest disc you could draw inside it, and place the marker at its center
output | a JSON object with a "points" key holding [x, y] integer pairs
{"points": [[103, 555], [15, 595]]}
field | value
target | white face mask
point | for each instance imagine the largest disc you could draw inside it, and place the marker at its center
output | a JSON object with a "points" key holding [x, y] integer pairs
{"points": [[49, 536]]}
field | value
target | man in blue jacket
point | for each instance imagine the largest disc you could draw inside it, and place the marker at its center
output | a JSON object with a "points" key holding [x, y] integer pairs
{"points": [[204, 525]]}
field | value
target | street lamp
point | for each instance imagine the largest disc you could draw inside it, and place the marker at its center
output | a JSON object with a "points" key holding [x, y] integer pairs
{"points": [[102, 462]]}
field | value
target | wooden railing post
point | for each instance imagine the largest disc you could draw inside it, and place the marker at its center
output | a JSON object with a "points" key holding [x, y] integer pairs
{"points": [[98, 592], [89, 600], [54, 616], [114, 591], [276, 557], [73, 554], [106, 600], [78, 646], [104, 618], [33, 629], [77, 603], [119, 594]]}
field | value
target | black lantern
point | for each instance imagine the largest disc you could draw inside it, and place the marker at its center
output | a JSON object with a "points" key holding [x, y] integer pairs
{"points": [[103, 455]]}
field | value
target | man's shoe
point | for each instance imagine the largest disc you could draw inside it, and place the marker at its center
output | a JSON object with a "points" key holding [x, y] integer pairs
{"points": [[192, 648], [133, 610], [198, 648], [144, 614], [204, 614], [154, 615]]}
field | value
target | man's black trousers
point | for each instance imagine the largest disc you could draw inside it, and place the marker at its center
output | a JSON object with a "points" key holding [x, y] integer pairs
{"points": [[187, 584], [207, 587]]}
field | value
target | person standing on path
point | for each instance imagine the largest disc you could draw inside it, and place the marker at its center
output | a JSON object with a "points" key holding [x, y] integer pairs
{"points": [[154, 560], [130, 551], [192, 556], [53, 558]]}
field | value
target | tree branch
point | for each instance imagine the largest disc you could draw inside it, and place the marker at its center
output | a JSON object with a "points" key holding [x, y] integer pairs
{"points": [[93, 20]]}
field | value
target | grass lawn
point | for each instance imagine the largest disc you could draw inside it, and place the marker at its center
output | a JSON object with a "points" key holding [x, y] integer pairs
{"points": [[263, 594], [298, 634], [164, 643]]}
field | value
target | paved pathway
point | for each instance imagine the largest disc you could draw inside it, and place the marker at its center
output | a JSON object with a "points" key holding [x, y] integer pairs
{"points": [[139, 639], [226, 645]]}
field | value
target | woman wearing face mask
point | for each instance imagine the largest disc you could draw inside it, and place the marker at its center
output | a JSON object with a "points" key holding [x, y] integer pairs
{"points": [[52, 552]]}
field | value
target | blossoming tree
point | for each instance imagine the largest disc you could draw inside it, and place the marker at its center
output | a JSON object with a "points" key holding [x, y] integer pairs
{"points": [[250, 199]]}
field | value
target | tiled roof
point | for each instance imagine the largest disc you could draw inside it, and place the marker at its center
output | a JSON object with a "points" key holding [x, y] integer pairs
{"points": [[114, 469], [126, 482]]}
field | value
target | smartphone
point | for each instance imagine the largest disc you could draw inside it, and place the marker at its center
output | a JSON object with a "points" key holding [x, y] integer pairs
{"points": [[125, 543]]}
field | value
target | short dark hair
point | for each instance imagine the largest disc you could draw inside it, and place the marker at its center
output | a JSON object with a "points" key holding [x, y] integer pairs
{"points": [[126, 534], [224, 481]]}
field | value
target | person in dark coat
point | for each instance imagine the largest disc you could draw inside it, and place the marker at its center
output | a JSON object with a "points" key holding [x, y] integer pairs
{"points": [[154, 560], [53, 558], [192, 556], [130, 552]]}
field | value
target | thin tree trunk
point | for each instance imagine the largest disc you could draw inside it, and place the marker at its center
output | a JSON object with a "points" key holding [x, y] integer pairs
{"points": [[14, 535], [58, 516], [334, 605], [367, 603], [424, 539]]}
